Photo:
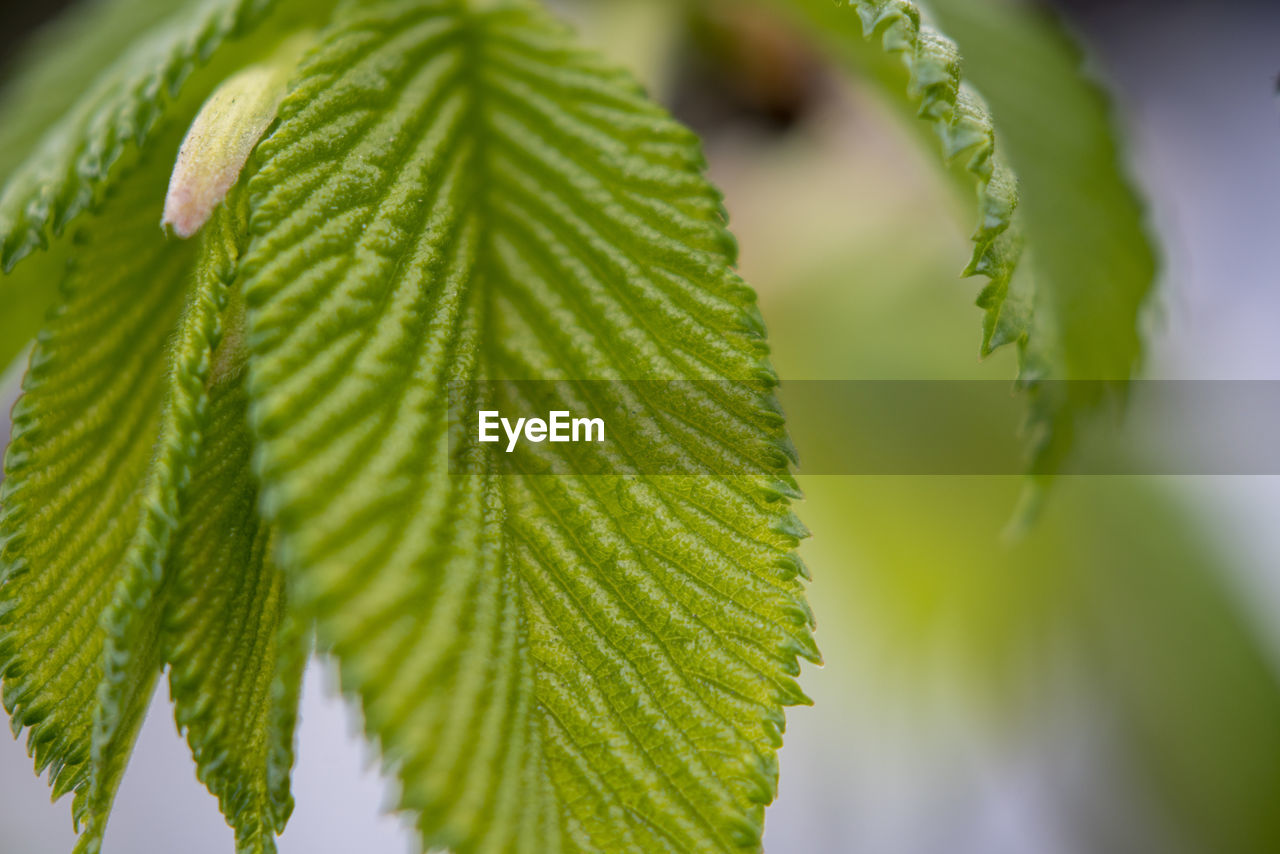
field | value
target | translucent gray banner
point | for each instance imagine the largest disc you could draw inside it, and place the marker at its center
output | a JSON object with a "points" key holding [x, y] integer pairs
{"points": [[874, 427]]}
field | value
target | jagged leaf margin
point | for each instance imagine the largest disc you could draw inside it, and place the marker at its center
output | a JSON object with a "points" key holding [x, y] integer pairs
{"points": [[62, 177], [84, 135], [236, 655], [1061, 373], [548, 664], [1095, 258], [40, 85], [133, 654], [85, 433], [963, 124]]}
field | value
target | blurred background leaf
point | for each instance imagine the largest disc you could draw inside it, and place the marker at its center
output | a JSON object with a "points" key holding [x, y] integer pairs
{"points": [[1089, 265], [1118, 604]]}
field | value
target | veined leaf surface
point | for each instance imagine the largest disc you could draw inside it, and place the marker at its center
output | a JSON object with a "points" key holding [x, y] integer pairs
{"points": [[455, 192], [74, 496], [98, 478], [211, 604], [235, 656]]}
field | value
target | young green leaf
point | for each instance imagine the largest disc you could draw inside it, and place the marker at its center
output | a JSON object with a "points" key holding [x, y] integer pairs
{"points": [[931, 84], [41, 87], [133, 655], [1075, 189], [964, 126], [106, 510], [561, 663], [235, 657], [74, 497]]}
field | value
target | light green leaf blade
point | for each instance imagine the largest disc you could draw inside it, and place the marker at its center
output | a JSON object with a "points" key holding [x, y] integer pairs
{"points": [[963, 124], [235, 656], [1093, 251], [73, 497], [40, 88], [134, 619], [566, 663], [930, 81], [1074, 303]]}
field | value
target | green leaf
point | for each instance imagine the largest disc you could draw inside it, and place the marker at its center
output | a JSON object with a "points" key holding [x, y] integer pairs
{"points": [[124, 106], [964, 127], [87, 110], [134, 619], [236, 658], [1094, 261], [75, 493], [930, 83], [1093, 250], [1045, 160], [561, 663], [42, 85], [92, 505]]}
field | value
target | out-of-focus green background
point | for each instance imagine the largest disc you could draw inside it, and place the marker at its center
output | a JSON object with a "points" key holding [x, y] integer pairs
{"points": [[1106, 683]]}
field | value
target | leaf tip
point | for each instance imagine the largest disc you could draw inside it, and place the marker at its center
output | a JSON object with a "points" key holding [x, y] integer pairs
{"points": [[224, 134]]}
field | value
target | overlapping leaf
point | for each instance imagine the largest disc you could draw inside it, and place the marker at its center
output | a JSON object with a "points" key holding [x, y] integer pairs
{"points": [[236, 658], [549, 664], [40, 92], [41, 87], [134, 619], [109, 424], [933, 85], [98, 477], [964, 126], [136, 643], [1093, 261], [74, 496]]}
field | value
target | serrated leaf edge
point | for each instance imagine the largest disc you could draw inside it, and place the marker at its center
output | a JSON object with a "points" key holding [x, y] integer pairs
{"points": [[964, 126]]}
